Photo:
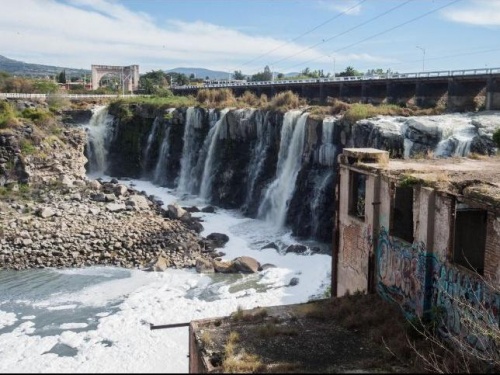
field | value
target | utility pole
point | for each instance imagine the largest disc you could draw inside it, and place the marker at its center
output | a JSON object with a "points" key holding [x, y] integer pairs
{"points": [[423, 57], [333, 66]]}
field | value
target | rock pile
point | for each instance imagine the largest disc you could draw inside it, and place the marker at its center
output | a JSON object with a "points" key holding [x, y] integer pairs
{"points": [[91, 224]]}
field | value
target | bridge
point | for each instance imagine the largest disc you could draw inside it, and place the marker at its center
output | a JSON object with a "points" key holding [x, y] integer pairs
{"points": [[458, 89]]}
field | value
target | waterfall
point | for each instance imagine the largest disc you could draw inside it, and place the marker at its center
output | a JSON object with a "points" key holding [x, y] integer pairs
{"points": [[213, 136], [322, 187], [456, 141], [327, 150], [258, 155], [275, 203], [189, 151], [98, 137], [151, 137], [159, 172]]}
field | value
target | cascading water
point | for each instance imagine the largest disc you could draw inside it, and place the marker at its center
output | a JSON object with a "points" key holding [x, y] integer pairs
{"points": [[159, 172], [327, 150], [98, 137], [212, 138], [275, 203], [151, 137], [258, 155], [187, 179]]}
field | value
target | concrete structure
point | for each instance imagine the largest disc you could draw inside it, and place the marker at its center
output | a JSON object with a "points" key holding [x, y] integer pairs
{"points": [[459, 90], [422, 233], [128, 75]]}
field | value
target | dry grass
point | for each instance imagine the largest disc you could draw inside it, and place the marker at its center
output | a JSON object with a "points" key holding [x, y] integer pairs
{"points": [[206, 338], [286, 100], [216, 98], [246, 316], [236, 361]]}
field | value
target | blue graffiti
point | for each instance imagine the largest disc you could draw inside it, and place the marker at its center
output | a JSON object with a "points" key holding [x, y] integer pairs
{"points": [[419, 282]]}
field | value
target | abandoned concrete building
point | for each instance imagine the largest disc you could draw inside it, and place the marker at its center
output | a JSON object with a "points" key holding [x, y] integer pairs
{"points": [[422, 233]]}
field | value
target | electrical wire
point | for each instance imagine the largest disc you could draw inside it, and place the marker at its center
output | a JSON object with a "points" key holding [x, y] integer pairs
{"points": [[382, 32], [344, 32], [305, 33]]}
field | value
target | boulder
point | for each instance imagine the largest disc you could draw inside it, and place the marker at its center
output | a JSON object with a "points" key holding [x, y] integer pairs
{"points": [[218, 239], [223, 266], [159, 265], [139, 202], [246, 264], [120, 190], [175, 211], [204, 266], [45, 212], [296, 248]]}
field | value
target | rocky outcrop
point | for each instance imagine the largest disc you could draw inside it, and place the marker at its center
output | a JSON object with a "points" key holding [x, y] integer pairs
{"points": [[72, 229]]}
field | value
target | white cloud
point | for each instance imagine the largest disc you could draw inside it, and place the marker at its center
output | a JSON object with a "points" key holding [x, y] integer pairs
{"points": [[347, 6], [476, 12], [78, 33]]}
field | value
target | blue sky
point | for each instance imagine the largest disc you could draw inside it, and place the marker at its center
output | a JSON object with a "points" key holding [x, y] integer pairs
{"points": [[247, 35]]}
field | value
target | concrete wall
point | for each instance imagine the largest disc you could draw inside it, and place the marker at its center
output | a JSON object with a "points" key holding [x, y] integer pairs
{"points": [[355, 240], [420, 276]]}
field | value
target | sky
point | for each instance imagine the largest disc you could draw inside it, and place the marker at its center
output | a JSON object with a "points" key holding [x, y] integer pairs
{"points": [[247, 35]]}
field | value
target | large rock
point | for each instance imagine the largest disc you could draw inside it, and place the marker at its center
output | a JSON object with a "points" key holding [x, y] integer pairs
{"points": [[45, 212], [246, 264], [204, 266], [159, 265], [224, 266], [296, 248], [139, 202], [218, 239], [175, 211]]}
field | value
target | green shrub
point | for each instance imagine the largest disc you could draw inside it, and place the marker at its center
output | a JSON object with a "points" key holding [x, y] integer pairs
{"points": [[496, 137], [7, 115], [27, 147]]}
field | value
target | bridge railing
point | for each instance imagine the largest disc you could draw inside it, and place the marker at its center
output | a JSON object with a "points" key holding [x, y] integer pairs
{"points": [[16, 95], [430, 74]]}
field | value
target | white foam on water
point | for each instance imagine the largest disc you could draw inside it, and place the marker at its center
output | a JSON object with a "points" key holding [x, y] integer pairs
{"points": [[7, 319], [123, 342]]}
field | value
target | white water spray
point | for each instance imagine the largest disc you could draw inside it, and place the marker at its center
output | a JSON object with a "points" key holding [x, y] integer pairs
{"points": [[274, 206]]}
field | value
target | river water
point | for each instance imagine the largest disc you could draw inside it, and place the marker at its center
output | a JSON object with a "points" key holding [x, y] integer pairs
{"points": [[98, 319]]}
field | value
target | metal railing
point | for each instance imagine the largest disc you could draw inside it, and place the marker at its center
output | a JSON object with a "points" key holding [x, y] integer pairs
{"points": [[15, 95], [440, 73]]}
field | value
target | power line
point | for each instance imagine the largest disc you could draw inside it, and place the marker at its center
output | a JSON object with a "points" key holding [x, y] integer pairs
{"points": [[345, 32], [307, 32], [383, 32]]}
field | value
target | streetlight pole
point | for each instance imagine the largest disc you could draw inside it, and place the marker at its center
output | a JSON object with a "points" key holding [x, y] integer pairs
{"points": [[423, 57]]}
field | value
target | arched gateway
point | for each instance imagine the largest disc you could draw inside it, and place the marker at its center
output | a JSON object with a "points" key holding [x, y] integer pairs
{"points": [[129, 75]]}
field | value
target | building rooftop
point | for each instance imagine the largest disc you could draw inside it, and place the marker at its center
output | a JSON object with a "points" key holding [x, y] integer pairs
{"points": [[476, 178]]}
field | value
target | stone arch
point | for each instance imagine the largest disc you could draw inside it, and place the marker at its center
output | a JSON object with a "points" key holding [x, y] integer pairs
{"points": [[129, 75]]}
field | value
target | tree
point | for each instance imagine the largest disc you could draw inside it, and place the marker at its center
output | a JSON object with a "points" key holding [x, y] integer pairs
{"points": [[266, 75], [349, 72], [238, 75], [61, 78]]}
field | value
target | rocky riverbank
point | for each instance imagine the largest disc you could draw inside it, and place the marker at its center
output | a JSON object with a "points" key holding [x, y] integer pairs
{"points": [[95, 223]]}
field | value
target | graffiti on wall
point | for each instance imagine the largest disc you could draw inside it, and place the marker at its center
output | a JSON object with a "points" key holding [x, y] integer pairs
{"points": [[402, 272], [419, 282], [470, 307]]}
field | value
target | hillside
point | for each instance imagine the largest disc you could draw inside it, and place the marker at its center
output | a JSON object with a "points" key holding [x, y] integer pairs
{"points": [[200, 73], [21, 68]]}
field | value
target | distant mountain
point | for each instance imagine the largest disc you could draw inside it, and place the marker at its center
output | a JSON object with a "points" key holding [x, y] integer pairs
{"points": [[200, 73], [20, 68]]}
